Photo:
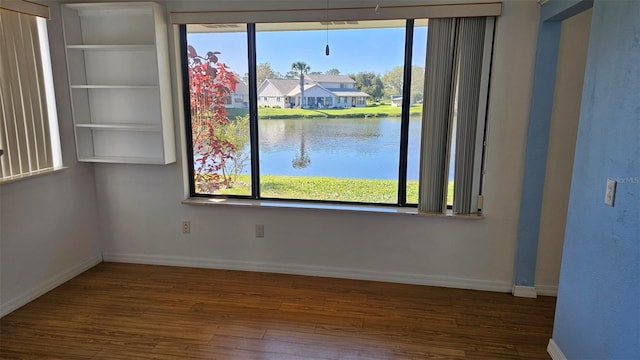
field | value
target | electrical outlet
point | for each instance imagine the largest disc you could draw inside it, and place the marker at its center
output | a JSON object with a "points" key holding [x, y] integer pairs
{"points": [[186, 227], [259, 230], [610, 194]]}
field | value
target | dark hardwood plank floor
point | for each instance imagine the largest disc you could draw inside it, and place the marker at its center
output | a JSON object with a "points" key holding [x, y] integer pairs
{"points": [[126, 311]]}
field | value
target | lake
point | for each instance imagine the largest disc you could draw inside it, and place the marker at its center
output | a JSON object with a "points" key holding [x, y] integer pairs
{"points": [[342, 147]]}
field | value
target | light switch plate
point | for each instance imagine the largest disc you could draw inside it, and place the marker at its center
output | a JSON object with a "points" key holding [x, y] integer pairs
{"points": [[610, 194]]}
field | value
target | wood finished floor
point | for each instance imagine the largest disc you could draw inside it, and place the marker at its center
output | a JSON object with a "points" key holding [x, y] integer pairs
{"points": [[125, 311]]}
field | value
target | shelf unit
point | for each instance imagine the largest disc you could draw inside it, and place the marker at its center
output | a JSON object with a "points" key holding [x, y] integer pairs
{"points": [[118, 66]]}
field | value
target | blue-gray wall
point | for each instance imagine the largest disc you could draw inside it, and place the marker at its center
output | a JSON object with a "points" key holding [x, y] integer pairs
{"points": [[598, 307]]}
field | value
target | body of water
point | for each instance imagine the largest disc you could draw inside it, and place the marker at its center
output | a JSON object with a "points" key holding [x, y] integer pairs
{"points": [[349, 148]]}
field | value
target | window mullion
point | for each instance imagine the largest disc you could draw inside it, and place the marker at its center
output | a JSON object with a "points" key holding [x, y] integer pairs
{"points": [[186, 98], [405, 116], [253, 111]]}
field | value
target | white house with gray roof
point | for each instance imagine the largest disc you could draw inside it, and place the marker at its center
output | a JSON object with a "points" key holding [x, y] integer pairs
{"points": [[320, 91]]}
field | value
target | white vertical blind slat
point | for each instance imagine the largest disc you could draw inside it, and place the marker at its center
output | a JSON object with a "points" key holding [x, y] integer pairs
{"points": [[28, 156], [24, 127], [470, 43], [436, 114], [40, 123], [5, 169], [13, 135]]}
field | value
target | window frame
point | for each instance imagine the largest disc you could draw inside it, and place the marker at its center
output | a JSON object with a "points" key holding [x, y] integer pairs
{"points": [[253, 101], [253, 121]]}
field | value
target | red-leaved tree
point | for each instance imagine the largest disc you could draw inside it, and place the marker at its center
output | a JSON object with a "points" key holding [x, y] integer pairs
{"points": [[211, 82]]}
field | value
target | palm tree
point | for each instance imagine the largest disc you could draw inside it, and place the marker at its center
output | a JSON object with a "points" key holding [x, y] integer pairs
{"points": [[302, 68]]}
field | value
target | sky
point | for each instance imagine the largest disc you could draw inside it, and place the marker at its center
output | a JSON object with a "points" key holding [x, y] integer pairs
{"points": [[352, 51]]}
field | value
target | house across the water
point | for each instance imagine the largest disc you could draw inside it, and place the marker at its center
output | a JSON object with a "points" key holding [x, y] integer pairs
{"points": [[239, 99], [396, 100], [320, 91]]}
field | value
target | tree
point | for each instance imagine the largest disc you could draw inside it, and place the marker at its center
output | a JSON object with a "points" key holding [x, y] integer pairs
{"points": [[210, 83], [237, 133], [393, 81], [333, 71], [265, 71], [302, 68], [291, 74], [417, 82], [369, 83]]}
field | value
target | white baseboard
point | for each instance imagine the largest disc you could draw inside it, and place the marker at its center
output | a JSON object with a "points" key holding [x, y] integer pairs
{"points": [[533, 292], [554, 351], [297, 269], [547, 290], [524, 291], [48, 285]]}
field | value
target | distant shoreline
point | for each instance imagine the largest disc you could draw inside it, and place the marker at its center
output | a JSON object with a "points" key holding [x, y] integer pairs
{"points": [[356, 112]]}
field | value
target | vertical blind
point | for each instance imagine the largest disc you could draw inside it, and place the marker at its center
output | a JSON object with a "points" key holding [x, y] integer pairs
{"points": [[471, 43], [436, 129], [456, 82], [24, 124]]}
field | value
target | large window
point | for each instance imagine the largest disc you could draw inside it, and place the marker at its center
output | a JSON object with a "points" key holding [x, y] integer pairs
{"points": [[29, 139], [332, 111]]}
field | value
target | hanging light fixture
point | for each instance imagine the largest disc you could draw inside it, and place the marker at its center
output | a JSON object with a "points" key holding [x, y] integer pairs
{"points": [[326, 49]]}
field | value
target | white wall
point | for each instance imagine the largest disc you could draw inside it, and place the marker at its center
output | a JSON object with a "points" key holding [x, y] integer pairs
{"points": [[48, 224], [572, 57], [141, 205]]}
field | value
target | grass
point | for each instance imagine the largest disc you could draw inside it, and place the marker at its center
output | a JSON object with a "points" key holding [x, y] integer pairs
{"points": [[328, 189], [382, 110]]}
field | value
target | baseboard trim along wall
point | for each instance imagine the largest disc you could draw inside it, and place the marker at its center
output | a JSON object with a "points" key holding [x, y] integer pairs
{"points": [[48, 285], [524, 291], [297, 269], [554, 351], [547, 290]]}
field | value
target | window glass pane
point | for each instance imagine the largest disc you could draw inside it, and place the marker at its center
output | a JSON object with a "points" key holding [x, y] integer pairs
{"points": [[218, 68], [328, 129], [415, 124]]}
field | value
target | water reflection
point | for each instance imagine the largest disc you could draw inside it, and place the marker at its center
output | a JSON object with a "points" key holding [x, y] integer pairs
{"points": [[350, 148], [302, 160]]}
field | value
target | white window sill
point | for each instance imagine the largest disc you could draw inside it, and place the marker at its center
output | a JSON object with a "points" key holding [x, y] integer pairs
{"points": [[323, 206], [10, 179]]}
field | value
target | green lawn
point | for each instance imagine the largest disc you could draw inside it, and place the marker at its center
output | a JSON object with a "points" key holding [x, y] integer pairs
{"points": [[326, 188], [371, 110]]}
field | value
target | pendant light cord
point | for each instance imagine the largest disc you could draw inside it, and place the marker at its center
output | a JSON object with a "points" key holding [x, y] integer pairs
{"points": [[326, 15]]}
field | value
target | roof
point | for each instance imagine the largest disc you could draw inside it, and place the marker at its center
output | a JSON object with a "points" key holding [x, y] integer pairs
{"points": [[321, 78], [296, 91], [284, 85], [291, 87]]}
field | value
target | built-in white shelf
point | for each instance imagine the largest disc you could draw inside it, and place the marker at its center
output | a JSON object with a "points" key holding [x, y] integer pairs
{"points": [[111, 47], [114, 86], [118, 66], [121, 127], [121, 160]]}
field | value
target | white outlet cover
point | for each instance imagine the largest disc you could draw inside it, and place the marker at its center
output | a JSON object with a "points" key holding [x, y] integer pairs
{"points": [[610, 193]]}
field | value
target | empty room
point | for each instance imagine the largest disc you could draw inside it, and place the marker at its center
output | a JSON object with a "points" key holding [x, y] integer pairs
{"points": [[320, 179]]}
